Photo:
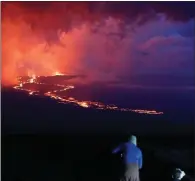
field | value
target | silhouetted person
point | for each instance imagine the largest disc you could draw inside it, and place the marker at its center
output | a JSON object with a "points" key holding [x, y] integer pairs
{"points": [[132, 157]]}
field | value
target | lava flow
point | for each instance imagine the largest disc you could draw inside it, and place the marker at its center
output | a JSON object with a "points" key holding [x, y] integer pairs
{"points": [[53, 93]]}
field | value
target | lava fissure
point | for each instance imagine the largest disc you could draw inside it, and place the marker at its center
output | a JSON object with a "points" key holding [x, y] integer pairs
{"points": [[34, 80]]}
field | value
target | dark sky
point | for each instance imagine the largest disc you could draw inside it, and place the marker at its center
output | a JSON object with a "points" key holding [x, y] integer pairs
{"points": [[126, 42]]}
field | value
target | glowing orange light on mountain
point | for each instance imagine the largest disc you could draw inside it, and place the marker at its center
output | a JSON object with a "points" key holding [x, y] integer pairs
{"points": [[58, 73], [54, 94]]}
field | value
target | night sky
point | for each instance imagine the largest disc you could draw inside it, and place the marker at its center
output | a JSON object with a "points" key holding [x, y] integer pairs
{"points": [[125, 42]]}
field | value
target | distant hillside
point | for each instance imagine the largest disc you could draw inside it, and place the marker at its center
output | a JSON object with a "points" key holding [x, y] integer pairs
{"points": [[31, 114]]}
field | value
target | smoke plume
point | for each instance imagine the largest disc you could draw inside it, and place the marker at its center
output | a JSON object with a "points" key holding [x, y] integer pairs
{"points": [[91, 38]]}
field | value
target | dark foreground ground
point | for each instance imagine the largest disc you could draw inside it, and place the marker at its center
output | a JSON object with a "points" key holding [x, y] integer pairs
{"points": [[85, 157], [46, 141]]}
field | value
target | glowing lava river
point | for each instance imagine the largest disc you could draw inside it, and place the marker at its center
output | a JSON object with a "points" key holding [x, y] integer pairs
{"points": [[53, 91]]}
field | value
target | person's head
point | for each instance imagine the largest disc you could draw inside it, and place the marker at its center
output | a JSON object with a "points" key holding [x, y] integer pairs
{"points": [[133, 139], [178, 174]]}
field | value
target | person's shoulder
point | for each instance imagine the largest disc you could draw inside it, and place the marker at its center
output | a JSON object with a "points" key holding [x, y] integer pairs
{"points": [[125, 144], [139, 150]]}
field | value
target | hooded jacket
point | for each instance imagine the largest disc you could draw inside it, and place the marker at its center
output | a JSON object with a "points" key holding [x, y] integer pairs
{"points": [[131, 153]]}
